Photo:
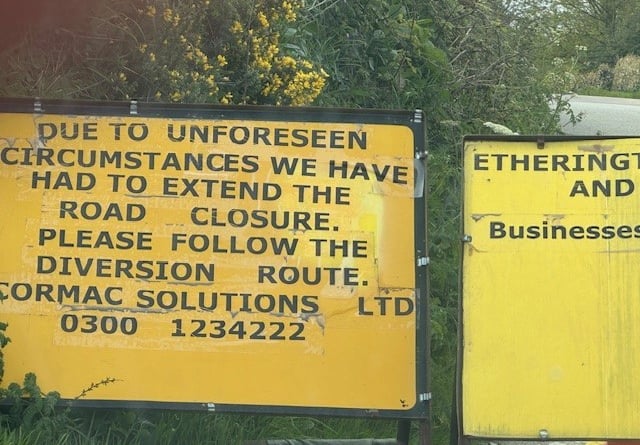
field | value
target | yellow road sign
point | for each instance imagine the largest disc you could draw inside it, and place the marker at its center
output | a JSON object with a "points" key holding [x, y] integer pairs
{"points": [[252, 258], [550, 294]]}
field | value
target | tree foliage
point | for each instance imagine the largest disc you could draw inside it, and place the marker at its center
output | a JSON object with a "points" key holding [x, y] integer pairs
{"points": [[579, 42], [495, 66], [609, 29], [377, 53]]}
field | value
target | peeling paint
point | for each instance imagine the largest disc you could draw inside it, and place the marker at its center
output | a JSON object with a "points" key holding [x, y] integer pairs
{"points": [[84, 307], [596, 148], [554, 218], [478, 216], [472, 249], [388, 290], [9, 140]]}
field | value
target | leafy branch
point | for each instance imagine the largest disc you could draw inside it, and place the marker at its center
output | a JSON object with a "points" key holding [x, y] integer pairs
{"points": [[103, 382]]}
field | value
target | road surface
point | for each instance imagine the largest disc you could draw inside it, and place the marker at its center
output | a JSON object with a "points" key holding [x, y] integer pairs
{"points": [[605, 116]]}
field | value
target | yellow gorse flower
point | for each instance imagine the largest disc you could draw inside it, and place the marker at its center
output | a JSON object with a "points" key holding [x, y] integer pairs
{"points": [[288, 62], [167, 15], [222, 60], [290, 9], [262, 19], [282, 77], [236, 27], [183, 64]]}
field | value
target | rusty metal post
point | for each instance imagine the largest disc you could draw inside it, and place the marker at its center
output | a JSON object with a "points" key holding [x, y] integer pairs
{"points": [[404, 431]]}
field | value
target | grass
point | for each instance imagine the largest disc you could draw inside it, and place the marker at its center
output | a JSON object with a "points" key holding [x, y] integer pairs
{"points": [[107, 427], [592, 91]]}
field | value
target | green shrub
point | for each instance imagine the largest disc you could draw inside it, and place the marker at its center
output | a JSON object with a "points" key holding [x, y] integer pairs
{"points": [[601, 78], [626, 74], [202, 51]]}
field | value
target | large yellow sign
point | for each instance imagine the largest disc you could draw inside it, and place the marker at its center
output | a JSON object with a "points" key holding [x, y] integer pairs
{"points": [[254, 258], [551, 291]]}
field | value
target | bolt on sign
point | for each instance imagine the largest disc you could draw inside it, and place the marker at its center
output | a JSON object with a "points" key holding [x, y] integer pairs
{"points": [[222, 258], [550, 288]]}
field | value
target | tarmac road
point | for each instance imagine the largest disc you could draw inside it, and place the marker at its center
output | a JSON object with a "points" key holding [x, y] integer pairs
{"points": [[603, 116]]}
